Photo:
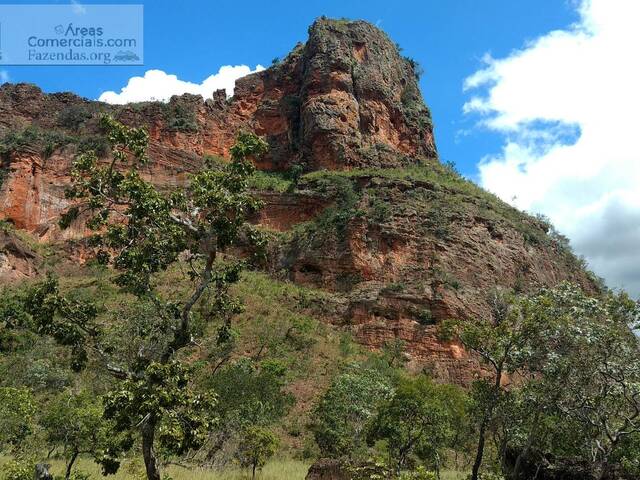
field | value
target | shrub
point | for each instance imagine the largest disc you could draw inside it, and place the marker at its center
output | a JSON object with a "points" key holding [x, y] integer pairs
{"points": [[415, 423], [73, 116], [417, 70], [339, 418], [18, 469], [425, 317], [4, 173], [95, 143], [257, 446], [16, 412], [32, 137], [181, 119]]}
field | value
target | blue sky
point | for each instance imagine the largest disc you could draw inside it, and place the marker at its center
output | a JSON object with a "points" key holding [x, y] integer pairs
{"points": [[536, 100], [192, 39]]}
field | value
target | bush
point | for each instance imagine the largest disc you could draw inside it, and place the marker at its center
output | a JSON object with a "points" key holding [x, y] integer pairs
{"points": [[95, 143], [33, 138], [426, 318], [417, 70], [4, 172], [257, 446], [180, 119], [16, 412], [340, 417], [19, 469], [73, 116], [416, 423]]}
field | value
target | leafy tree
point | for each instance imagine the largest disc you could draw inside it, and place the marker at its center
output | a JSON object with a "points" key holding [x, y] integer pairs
{"points": [[577, 398], [16, 416], [75, 422], [141, 231], [341, 415], [248, 395], [417, 421], [590, 379], [256, 447], [497, 341]]}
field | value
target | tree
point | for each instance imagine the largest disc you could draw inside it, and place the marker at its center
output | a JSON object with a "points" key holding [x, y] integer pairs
{"points": [[256, 447], [497, 341], [74, 421], [248, 395], [417, 421], [340, 417], [141, 232], [576, 394], [600, 394], [16, 416]]}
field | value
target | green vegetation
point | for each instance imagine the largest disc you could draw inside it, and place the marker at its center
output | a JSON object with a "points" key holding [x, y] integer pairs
{"points": [[149, 399], [270, 181], [341, 415], [74, 423], [417, 70], [46, 142], [180, 118], [417, 423], [438, 192], [577, 405], [276, 469], [257, 445], [4, 172], [74, 116], [16, 416]]}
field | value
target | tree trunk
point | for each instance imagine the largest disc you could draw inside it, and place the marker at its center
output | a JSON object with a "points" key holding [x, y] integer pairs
{"points": [[480, 452], [72, 460], [150, 461], [483, 426], [604, 470], [253, 472]]}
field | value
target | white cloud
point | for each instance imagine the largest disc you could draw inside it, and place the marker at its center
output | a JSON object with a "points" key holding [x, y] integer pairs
{"points": [[4, 76], [568, 105], [158, 85]]}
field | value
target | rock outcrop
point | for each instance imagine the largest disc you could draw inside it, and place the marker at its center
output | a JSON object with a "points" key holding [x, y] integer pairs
{"points": [[398, 241], [18, 261]]}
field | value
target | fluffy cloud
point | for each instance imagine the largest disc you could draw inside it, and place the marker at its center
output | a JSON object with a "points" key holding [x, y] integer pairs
{"points": [[568, 106], [158, 85]]}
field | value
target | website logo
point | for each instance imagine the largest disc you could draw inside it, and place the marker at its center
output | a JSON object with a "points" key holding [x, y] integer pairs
{"points": [[66, 35]]}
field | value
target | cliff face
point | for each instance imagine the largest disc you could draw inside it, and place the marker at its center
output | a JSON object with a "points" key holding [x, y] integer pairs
{"points": [[399, 241]]}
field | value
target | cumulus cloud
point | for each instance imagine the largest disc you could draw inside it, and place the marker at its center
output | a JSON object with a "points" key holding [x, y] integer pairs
{"points": [[158, 85], [567, 105]]}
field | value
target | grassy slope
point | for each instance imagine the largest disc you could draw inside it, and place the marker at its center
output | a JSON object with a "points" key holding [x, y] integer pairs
{"points": [[281, 321]]}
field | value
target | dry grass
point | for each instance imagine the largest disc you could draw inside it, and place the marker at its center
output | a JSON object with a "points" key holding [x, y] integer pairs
{"points": [[279, 469], [274, 470]]}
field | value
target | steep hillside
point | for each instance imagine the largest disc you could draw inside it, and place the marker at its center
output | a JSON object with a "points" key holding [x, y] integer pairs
{"points": [[399, 241]]}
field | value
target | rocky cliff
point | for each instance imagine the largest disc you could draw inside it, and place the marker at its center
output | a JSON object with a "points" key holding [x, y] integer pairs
{"points": [[398, 241]]}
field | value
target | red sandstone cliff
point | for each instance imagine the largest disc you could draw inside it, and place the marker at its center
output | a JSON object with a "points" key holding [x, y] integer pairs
{"points": [[400, 246]]}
